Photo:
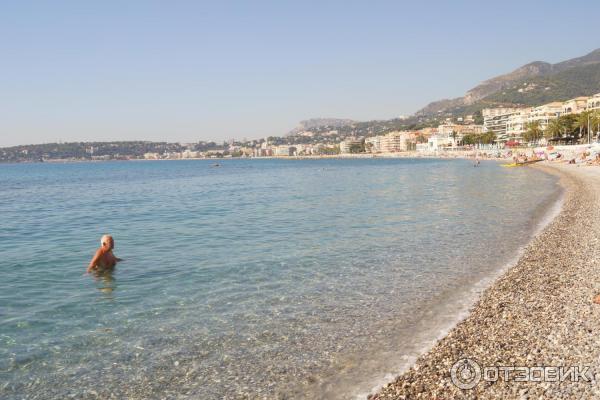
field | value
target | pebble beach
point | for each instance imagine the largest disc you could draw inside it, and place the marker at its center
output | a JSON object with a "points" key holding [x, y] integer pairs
{"points": [[539, 313]]}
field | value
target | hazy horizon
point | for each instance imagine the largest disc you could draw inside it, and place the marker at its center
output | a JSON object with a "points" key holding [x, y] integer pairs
{"points": [[192, 71]]}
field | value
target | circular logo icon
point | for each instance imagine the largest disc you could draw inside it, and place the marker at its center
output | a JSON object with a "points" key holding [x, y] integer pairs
{"points": [[465, 373]]}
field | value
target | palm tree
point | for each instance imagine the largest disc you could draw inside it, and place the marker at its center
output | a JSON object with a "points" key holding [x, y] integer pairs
{"points": [[488, 137], [553, 129], [583, 120], [595, 121], [534, 132], [569, 125]]}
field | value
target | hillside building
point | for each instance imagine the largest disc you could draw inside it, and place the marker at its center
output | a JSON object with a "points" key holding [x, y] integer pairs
{"points": [[347, 144], [394, 142], [373, 144], [575, 106], [496, 119], [546, 113], [282, 151], [516, 125], [593, 103]]}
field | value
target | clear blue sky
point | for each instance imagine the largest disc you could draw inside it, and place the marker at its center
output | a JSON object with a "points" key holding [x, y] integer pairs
{"points": [[188, 71]]}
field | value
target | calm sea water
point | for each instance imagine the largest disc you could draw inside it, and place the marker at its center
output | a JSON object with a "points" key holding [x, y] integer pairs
{"points": [[261, 278]]}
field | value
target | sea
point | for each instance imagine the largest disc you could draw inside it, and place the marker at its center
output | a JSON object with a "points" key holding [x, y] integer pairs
{"points": [[247, 278]]}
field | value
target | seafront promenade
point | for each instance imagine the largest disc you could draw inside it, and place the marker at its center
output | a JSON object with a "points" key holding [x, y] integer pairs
{"points": [[538, 314]]}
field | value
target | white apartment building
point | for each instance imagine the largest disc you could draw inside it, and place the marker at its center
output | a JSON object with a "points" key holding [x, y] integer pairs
{"points": [[282, 150], [496, 119], [394, 142], [373, 144], [546, 113], [471, 129], [461, 130], [307, 149], [593, 103], [436, 142], [447, 129], [346, 144], [511, 123], [516, 125], [263, 152], [173, 156], [391, 142], [189, 154], [575, 106]]}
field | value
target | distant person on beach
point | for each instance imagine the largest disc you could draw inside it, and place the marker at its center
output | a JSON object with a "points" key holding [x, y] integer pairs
{"points": [[104, 259]]}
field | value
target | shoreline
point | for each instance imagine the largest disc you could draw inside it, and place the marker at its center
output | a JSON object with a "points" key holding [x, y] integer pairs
{"points": [[463, 305], [567, 151], [537, 311], [441, 154]]}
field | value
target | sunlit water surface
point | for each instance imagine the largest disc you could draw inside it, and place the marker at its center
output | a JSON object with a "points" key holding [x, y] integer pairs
{"points": [[260, 278]]}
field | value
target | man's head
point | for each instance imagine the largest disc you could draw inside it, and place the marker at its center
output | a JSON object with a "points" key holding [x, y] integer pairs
{"points": [[107, 242]]}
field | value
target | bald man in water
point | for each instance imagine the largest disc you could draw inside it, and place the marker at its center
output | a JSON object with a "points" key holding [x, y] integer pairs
{"points": [[104, 258]]}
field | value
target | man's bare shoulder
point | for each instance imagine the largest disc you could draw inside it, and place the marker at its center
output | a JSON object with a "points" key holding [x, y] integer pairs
{"points": [[102, 251]]}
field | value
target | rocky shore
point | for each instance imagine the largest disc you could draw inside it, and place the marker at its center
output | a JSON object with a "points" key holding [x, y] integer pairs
{"points": [[540, 313]]}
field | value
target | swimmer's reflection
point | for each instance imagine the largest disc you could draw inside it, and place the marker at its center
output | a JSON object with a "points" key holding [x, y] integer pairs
{"points": [[106, 281]]}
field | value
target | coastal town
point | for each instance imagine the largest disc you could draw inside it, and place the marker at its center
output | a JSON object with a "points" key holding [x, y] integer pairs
{"points": [[575, 121], [570, 122], [251, 200]]}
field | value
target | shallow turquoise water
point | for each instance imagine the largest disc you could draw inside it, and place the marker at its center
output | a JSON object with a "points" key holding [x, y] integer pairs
{"points": [[277, 278]]}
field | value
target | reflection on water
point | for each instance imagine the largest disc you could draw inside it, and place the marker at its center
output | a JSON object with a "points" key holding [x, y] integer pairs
{"points": [[105, 281]]}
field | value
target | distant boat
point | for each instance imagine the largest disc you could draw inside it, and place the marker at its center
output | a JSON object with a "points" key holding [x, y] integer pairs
{"points": [[216, 165], [521, 164]]}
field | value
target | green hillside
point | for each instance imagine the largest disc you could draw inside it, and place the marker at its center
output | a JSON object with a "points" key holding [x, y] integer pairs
{"points": [[578, 81], [565, 85]]}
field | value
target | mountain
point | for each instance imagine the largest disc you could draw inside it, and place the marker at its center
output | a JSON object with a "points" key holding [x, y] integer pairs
{"points": [[567, 78], [314, 123], [591, 58], [583, 80], [532, 84], [536, 68]]}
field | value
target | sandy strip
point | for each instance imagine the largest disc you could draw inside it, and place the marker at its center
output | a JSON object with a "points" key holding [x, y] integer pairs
{"points": [[539, 313]]}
